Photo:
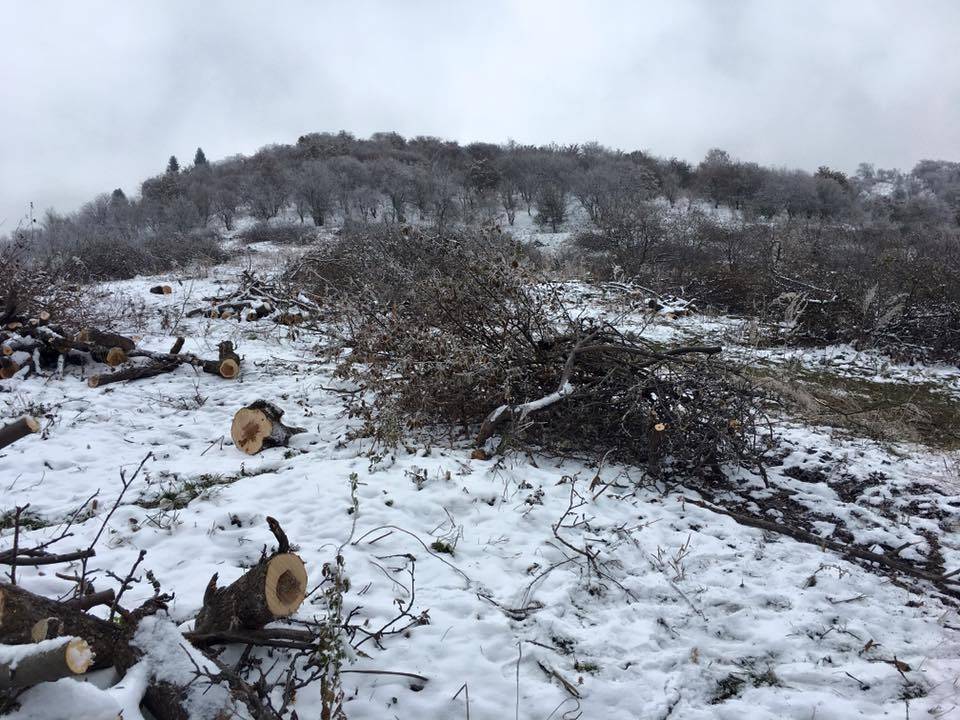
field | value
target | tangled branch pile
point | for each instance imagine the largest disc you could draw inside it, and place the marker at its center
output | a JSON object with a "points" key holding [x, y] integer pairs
{"points": [[255, 299], [873, 286], [456, 333]]}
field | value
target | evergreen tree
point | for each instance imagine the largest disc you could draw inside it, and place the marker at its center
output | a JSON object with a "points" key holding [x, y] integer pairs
{"points": [[173, 166], [200, 159]]}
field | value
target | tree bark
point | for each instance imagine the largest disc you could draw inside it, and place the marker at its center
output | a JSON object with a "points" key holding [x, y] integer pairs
{"points": [[177, 346], [19, 344], [9, 434], [43, 662], [227, 365], [258, 426], [133, 373], [272, 588], [105, 339], [113, 356], [21, 610]]}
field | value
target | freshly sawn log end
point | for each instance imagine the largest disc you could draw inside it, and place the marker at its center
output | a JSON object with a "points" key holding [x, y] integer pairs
{"points": [[27, 665], [258, 426], [286, 584], [249, 429], [79, 656]]}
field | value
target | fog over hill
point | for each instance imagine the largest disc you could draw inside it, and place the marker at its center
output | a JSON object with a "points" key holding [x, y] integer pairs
{"points": [[96, 95]]}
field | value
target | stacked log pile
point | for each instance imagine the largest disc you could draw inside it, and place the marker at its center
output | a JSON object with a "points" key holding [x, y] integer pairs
{"points": [[30, 345], [256, 299]]}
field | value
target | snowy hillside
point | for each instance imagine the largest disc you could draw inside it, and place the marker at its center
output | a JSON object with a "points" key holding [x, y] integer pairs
{"points": [[522, 586]]}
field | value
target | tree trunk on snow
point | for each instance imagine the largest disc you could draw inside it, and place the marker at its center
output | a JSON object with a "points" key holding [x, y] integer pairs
{"points": [[21, 611], [227, 365], [133, 373], [272, 589], [109, 356], [43, 662], [258, 426], [9, 434], [105, 339], [161, 290], [177, 346]]}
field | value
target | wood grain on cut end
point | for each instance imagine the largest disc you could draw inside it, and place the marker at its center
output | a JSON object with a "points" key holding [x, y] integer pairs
{"points": [[79, 656], [229, 369], [286, 584], [249, 429], [116, 356]]}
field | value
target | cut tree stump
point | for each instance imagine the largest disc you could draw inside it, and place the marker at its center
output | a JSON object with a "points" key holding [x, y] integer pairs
{"points": [[21, 611], [161, 290], [227, 365], [24, 665], [258, 426], [133, 373], [273, 588], [9, 434]]}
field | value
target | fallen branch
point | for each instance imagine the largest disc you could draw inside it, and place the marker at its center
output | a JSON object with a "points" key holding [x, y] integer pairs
{"points": [[845, 550], [133, 373]]}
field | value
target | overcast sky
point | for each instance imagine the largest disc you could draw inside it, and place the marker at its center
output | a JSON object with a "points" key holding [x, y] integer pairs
{"points": [[96, 95]]}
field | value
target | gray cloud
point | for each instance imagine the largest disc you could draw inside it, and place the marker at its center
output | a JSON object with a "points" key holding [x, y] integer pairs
{"points": [[96, 95]]}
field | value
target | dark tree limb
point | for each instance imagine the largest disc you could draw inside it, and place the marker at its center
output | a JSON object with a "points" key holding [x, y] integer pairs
{"points": [[846, 550], [9, 434]]}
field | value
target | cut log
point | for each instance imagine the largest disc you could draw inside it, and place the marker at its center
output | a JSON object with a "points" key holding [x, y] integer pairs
{"points": [[45, 629], [227, 365], [290, 319], [161, 290], [177, 346], [25, 665], [8, 368], [113, 356], [21, 611], [19, 344], [258, 426], [132, 373], [272, 589], [105, 339], [9, 434]]}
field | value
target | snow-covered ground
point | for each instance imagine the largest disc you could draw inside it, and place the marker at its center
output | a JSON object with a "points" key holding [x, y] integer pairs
{"points": [[691, 615]]}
